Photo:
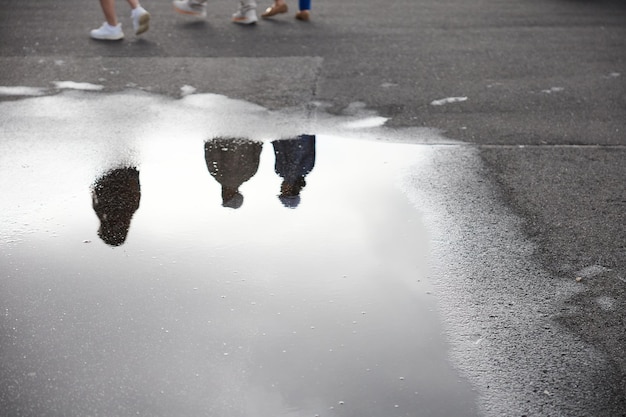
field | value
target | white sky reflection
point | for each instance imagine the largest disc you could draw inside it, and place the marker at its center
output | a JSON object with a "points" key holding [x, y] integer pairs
{"points": [[208, 310]]}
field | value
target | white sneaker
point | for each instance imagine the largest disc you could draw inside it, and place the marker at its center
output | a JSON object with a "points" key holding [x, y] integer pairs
{"points": [[141, 20], [191, 7], [108, 33], [246, 14]]}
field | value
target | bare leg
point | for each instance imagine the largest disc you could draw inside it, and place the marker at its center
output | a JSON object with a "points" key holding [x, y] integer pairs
{"points": [[133, 3], [108, 8]]}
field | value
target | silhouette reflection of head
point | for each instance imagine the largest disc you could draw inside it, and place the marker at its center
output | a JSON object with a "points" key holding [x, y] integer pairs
{"points": [[115, 198], [295, 158], [232, 161]]}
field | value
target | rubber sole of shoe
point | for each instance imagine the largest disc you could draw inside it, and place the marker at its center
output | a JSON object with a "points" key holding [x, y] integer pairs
{"points": [[190, 13], [244, 21], [144, 24], [108, 38]]}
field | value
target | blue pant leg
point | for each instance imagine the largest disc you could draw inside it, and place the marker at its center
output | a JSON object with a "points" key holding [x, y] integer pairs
{"points": [[305, 4]]}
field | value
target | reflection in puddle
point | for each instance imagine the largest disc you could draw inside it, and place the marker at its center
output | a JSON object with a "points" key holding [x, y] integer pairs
{"points": [[232, 162], [295, 158], [116, 197], [283, 306]]}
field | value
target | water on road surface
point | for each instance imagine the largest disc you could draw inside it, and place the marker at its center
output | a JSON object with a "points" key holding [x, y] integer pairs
{"points": [[205, 256]]}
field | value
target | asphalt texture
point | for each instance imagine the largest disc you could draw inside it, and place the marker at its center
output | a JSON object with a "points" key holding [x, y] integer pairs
{"points": [[543, 88]]}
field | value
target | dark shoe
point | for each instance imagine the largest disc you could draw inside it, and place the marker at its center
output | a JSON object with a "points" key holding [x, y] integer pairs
{"points": [[303, 15]]}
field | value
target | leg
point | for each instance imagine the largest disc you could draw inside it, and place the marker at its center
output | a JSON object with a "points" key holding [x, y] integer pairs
{"points": [[248, 4], [108, 8], [110, 30], [304, 14]]}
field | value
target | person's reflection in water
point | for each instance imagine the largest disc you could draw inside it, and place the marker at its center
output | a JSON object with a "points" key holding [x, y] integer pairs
{"points": [[115, 198], [232, 161], [295, 158]]}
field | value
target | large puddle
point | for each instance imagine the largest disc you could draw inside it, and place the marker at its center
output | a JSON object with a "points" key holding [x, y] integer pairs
{"points": [[207, 257]]}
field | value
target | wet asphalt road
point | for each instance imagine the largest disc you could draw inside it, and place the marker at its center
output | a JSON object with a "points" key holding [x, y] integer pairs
{"points": [[542, 271]]}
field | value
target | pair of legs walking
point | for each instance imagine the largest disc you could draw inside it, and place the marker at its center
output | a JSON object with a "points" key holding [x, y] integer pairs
{"points": [[246, 14], [111, 29], [280, 6]]}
